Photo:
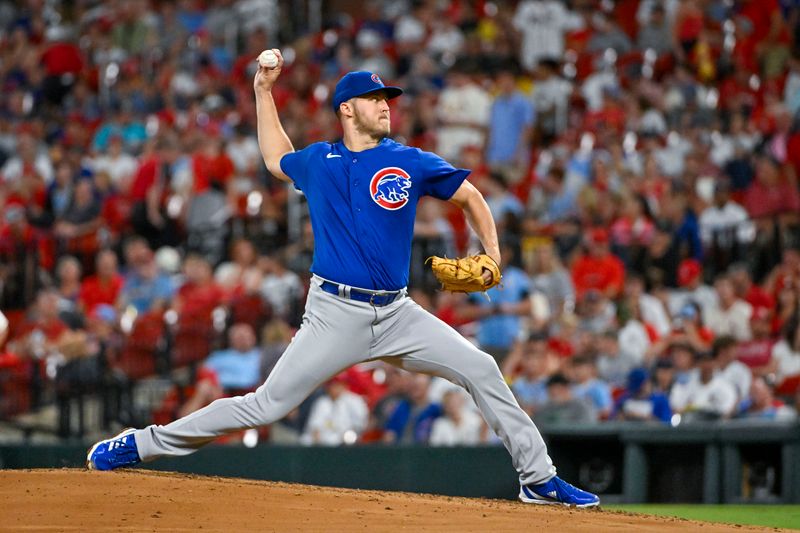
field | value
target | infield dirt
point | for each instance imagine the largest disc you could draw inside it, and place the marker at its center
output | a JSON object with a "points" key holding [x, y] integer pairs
{"points": [[142, 500]]}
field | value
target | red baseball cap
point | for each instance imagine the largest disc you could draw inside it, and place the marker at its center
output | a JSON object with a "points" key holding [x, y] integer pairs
{"points": [[598, 235], [688, 271], [761, 313]]}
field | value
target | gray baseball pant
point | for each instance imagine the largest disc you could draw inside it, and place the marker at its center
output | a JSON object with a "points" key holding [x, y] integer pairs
{"points": [[337, 333]]}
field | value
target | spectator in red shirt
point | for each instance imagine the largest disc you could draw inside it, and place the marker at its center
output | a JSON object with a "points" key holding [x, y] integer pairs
{"points": [[736, 93], [747, 290], [104, 286], [633, 230], [786, 273], [771, 194], [597, 268], [210, 165], [41, 332], [200, 294], [769, 29], [687, 25], [611, 116], [757, 352], [149, 193], [62, 62], [788, 303]]}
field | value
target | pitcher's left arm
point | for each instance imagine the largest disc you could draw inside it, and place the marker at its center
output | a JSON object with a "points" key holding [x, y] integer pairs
{"points": [[475, 208]]}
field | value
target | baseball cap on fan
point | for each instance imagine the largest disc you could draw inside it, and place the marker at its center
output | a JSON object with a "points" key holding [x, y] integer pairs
{"points": [[688, 271], [359, 83]]}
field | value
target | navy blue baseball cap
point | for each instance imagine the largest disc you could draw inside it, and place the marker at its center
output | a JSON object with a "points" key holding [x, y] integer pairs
{"points": [[359, 83]]}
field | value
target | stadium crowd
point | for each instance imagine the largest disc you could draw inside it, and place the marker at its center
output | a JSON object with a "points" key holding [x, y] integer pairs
{"points": [[640, 159]]}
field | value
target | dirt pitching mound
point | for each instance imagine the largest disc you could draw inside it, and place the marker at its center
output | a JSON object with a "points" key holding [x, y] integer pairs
{"points": [[141, 500]]}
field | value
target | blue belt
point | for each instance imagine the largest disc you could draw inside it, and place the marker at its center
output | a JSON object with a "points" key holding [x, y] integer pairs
{"points": [[379, 299]]}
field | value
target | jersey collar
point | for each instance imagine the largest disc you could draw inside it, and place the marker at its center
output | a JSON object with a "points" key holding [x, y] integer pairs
{"points": [[345, 150]]}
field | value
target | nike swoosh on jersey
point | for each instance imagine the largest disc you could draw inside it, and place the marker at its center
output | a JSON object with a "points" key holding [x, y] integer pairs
{"points": [[329, 156]]}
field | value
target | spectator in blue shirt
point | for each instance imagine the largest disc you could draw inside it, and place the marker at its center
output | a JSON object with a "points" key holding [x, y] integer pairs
{"points": [[530, 387], [123, 124], [587, 387], [412, 420], [234, 369], [146, 288], [551, 201], [511, 121], [500, 200], [639, 402], [239, 366], [685, 226], [762, 404], [500, 315]]}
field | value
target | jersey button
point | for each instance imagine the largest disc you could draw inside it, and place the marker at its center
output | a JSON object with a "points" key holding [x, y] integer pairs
{"points": [[354, 160]]}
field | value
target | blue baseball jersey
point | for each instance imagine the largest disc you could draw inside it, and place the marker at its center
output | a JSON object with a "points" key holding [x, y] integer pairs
{"points": [[363, 206]]}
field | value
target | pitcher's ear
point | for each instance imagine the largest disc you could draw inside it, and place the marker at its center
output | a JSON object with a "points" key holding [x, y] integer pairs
{"points": [[346, 109]]}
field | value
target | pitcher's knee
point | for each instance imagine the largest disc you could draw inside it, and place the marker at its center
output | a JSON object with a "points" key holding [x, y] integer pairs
{"points": [[266, 407], [480, 367]]}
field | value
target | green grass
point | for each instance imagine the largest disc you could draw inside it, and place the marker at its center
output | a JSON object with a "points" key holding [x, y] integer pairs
{"points": [[785, 516]]}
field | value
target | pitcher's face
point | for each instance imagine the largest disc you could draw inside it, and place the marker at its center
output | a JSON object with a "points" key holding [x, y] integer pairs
{"points": [[371, 114]]}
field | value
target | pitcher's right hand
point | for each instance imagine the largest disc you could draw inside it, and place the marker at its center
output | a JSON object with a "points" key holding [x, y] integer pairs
{"points": [[265, 77]]}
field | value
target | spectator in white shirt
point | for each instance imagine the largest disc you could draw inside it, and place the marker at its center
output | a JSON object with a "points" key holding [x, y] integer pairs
{"points": [[651, 309], [372, 58], [463, 113], [120, 166], [412, 28], [445, 38], [458, 426], [724, 223], [28, 155], [725, 350], [632, 336], [703, 396], [281, 287], [551, 94], [614, 364], [737, 144], [732, 317], [543, 24], [692, 289], [336, 418], [786, 352], [244, 152]]}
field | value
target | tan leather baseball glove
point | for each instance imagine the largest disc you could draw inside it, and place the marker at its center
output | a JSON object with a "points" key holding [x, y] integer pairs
{"points": [[465, 274]]}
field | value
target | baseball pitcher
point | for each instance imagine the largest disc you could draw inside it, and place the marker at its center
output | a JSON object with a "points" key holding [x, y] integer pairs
{"points": [[362, 194]]}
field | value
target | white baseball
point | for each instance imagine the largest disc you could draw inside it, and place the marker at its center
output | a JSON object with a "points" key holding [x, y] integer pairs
{"points": [[268, 59]]}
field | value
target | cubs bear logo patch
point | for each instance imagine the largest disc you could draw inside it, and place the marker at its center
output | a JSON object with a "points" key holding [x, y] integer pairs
{"points": [[376, 79], [389, 188]]}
